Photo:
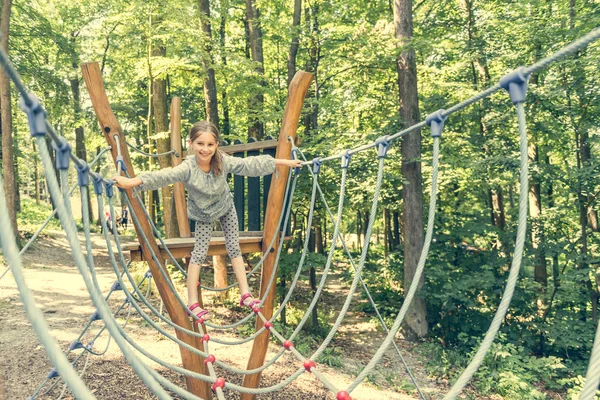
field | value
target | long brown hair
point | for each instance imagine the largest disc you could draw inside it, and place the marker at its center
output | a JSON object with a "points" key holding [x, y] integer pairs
{"points": [[200, 127]]}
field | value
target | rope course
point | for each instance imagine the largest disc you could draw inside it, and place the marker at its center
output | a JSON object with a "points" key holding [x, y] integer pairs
{"points": [[515, 83]]}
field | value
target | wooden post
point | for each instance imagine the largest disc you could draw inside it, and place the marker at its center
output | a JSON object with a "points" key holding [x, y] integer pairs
{"points": [[178, 188], [297, 91], [110, 128]]}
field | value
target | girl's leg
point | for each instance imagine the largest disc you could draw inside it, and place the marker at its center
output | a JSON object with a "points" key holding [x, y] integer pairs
{"points": [[229, 222], [203, 234]]}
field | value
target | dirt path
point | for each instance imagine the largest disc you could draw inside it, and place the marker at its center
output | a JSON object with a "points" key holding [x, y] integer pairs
{"points": [[61, 295]]}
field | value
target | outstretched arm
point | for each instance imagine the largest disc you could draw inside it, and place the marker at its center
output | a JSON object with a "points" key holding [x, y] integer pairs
{"points": [[127, 183], [289, 163]]}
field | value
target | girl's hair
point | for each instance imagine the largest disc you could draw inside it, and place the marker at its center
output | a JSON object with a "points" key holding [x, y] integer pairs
{"points": [[216, 163]]}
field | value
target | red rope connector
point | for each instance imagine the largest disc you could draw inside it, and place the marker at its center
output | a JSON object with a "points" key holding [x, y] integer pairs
{"points": [[205, 338], [256, 310], [220, 382], [209, 359], [198, 285], [308, 364], [343, 396], [268, 325], [287, 344]]}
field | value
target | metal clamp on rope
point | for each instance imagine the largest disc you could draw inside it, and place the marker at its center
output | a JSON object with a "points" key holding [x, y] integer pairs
{"points": [[120, 161], [95, 316], [148, 274], [346, 159], [53, 373], [295, 157], [36, 116], [436, 121], [317, 162], [63, 153], [83, 173], [97, 180], [108, 186], [76, 345], [383, 145], [515, 83], [116, 286]]}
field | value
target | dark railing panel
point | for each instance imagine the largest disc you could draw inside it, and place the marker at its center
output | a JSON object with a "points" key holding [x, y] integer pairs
{"points": [[238, 193], [253, 195]]}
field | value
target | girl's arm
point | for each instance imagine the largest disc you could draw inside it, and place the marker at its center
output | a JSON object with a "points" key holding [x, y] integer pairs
{"points": [[127, 183], [288, 163], [155, 179]]}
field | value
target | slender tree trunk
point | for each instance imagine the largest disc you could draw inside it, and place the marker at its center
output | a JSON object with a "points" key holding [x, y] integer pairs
{"points": [[291, 64], [256, 103], [210, 85], [36, 174], [163, 142], [226, 126], [416, 317], [8, 168]]}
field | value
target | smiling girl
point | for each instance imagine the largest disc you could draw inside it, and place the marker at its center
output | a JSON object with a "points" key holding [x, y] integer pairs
{"points": [[204, 174]]}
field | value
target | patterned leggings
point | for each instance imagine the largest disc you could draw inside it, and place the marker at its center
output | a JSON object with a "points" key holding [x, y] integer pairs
{"points": [[203, 233]]}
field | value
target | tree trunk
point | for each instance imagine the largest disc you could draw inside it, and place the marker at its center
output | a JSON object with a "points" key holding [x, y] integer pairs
{"points": [[226, 125], [8, 168], [36, 174], [412, 216], [256, 103], [291, 64], [163, 141], [537, 229], [210, 85]]}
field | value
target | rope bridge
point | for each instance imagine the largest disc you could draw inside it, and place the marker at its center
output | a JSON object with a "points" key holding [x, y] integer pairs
{"points": [[191, 340]]}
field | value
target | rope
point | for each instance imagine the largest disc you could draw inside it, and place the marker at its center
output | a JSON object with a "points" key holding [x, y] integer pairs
{"points": [[71, 230], [34, 315], [47, 221], [175, 153], [514, 269]]}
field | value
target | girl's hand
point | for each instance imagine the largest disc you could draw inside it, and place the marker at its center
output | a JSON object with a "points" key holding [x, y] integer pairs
{"points": [[126, 183], [289, 163]]}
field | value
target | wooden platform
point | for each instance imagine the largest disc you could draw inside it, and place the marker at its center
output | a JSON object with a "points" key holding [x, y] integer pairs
{"points": [[250, 242]]}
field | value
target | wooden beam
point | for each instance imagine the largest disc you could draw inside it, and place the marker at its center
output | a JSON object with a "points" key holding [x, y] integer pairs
{"points": [[296, 93], [113, 132], [178, 188]]}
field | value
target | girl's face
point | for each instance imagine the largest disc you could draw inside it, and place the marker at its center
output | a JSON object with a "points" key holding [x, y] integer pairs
{"points": [[204, 146]]}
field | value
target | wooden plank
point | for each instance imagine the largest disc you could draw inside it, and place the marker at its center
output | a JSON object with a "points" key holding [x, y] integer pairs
{"points": [[297, 91], [239, 147], [239, 194], [178, 188], [112, 132], [253, 195]]}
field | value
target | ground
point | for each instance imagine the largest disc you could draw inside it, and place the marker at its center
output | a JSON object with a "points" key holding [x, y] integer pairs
{"points": [[61, 295]]}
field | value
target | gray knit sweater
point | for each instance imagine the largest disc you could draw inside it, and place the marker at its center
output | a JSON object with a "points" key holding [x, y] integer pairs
{"points": [[209, 196]]}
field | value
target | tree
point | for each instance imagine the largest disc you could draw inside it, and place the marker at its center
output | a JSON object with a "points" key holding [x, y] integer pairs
{"points": [[256, 101], [8, 169], [412, 195]]}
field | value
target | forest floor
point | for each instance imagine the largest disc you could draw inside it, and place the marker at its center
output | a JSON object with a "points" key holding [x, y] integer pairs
{"points": [[62, 297]]}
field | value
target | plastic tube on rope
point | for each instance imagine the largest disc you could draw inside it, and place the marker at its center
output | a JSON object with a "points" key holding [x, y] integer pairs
{"points": [[63, 153], [436, 122], [515, 83], [36, 116], [83, 173], [383, 145]]}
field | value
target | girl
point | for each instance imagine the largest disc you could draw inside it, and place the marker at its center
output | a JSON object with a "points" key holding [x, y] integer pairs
{"points": [[204, 174]]}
